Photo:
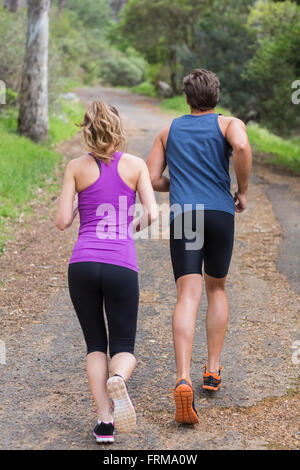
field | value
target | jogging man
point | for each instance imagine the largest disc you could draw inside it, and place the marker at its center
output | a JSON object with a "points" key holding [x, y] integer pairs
{"points": [[196, 148]]}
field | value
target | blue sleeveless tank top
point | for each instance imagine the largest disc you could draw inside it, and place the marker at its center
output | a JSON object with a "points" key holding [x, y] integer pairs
{"points": [[198, 155]]}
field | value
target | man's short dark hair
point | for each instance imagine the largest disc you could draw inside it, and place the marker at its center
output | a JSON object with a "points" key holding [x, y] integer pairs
{"points": [[202, 89]]}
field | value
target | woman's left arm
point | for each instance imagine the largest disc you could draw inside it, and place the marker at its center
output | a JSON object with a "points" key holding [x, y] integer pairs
{"points": [[67, 206]]}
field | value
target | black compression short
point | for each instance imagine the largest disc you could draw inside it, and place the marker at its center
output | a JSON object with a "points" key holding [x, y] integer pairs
{"points": [[94, 285], [215, 249]]}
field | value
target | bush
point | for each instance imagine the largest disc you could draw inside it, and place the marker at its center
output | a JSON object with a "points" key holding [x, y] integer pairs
{"points": [[145, 88], [123, 70], [13, 38], [11, 97]]}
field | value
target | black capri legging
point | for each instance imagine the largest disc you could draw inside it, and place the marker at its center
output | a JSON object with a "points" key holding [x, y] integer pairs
{"points": [[93, 285]]}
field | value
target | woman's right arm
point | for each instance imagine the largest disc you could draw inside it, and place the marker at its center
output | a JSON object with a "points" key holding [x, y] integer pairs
{"points": [[147, 198], [67, 206]]}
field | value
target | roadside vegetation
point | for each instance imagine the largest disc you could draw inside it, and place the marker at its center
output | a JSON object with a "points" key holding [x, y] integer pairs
{"points": [[26, 168], [252, 46]]}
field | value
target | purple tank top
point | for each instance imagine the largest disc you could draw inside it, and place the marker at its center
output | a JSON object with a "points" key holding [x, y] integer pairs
{"points": [[106, 210]]}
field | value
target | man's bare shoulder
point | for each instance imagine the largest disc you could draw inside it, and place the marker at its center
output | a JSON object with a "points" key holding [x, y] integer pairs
{"points": [[164, 134], [165, 131], [231, 120], [227, 122]]}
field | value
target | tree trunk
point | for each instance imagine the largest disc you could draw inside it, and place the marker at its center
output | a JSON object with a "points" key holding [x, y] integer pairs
{"points": [[11, 5], [62, 4], [173, 69], [116, 7], [33, 113]]}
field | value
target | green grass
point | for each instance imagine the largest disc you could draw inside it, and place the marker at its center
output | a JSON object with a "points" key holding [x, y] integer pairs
{"points": [[26, 166], [178, 105], [70, 84], [62, 123], [284, 153]]}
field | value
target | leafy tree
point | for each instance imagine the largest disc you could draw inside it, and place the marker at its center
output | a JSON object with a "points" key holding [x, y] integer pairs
{"points": [[116, 6], [224, 46], [94, 14], [68, 49], [13, 37], [67, 41], [276, 63], [11, 5], [62, 4], [93, 18], [158, 28], [78, 40], [118, 69]]}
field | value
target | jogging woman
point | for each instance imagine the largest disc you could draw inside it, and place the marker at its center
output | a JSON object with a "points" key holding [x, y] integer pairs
{"points": [[103, 267]]}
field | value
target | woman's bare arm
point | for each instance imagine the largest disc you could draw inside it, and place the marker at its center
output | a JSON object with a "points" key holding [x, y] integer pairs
{"points": [[67, 206], [147, 198]]}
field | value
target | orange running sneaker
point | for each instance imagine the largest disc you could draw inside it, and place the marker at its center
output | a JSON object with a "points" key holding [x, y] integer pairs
{"points": [[211, 381], [184, 400]]}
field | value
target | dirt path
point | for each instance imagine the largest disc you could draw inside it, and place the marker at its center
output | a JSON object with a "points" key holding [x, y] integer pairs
{"points": [[45, 403]]}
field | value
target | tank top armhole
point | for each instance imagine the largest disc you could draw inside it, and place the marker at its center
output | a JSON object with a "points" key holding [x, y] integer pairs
{"points": [[118, 174], [218, 125], [222, 135], [98, 162]]}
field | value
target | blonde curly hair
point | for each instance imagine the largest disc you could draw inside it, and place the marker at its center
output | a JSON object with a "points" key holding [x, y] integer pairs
{"points": [[102, 130]]}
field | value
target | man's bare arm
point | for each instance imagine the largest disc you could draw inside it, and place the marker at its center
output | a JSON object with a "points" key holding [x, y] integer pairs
{"points": [[157, 163], [236, 135]]}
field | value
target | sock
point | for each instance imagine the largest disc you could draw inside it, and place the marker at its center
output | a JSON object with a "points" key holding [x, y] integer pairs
{"points": [[118, 375], [105, 422]]}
